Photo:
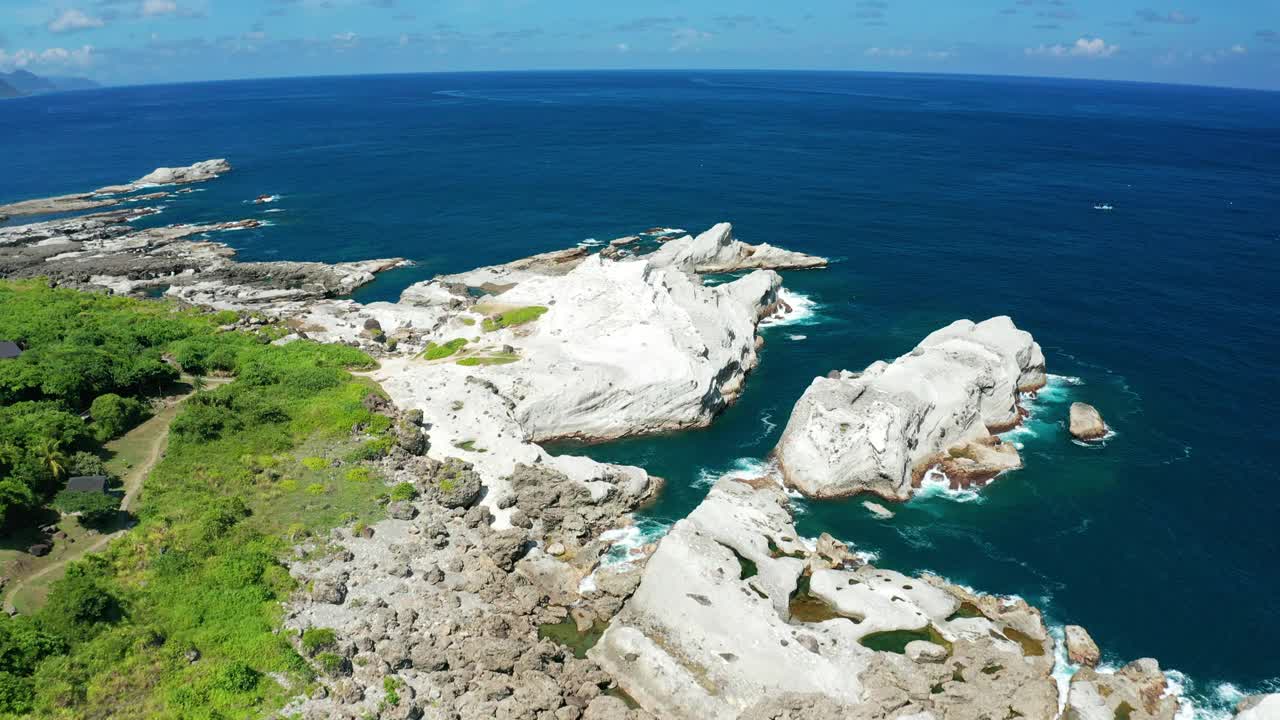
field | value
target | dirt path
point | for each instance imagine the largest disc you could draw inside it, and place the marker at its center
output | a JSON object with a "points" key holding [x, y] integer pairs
{"points": [[158, 429]]}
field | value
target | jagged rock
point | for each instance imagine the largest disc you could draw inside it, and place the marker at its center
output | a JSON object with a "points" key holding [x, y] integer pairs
{"points": [[1081, 649], [716, 251], [1137, 691], [836, 553], [402, 510], [1086, 422], [455, 484], [505, 547], [329, 590], [411, 439], [879, 430]]}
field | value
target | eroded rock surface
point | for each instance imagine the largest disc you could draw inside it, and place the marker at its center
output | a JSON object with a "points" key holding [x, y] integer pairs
{"points": [[717, 251], [881, 429], [731, 596]]}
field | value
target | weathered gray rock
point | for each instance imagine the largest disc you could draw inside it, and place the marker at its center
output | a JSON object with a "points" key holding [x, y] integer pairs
{"points": [[1086, 422], [880, 430], [454, 484]]}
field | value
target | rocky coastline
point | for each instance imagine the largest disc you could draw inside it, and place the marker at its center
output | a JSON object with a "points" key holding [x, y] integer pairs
{"points": [[500, 589]]}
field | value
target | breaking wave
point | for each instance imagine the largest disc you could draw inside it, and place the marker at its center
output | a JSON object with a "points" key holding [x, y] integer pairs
{"points": [[804, 310], [936, 484]]}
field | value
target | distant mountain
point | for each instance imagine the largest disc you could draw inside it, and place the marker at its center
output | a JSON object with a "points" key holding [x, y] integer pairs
{"points": [[24, 82]]}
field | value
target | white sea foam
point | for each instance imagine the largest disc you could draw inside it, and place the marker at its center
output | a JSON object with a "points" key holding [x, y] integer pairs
{"points": [[936, 484], [665, 231], [274, 210], [804, 310], [744, 468], [1062, 667], [622, 541], [263, 200], [590, 242]]}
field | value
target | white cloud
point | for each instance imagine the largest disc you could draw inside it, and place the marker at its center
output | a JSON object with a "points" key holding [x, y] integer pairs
{"points": [[887, 52], [1084, 47], [55, 57], [151, 8], [939, 54], [622, 47], [688, 38], [72, 20], [345, 37], [1239, 49]]}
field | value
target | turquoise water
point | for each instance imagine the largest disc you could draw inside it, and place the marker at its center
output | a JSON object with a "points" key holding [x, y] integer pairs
{"points": [[938, 197]]}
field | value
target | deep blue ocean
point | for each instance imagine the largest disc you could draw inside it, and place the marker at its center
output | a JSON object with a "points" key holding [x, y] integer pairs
{"points": [[939, 197]]}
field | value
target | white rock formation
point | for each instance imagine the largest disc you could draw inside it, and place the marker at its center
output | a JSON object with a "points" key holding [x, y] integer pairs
{"points": [[1081, 649], [716, 251], [198, 172], [879, 430], [721, 623]]}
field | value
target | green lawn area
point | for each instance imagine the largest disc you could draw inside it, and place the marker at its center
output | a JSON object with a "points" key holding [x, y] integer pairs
{"points": [[512, 318]]}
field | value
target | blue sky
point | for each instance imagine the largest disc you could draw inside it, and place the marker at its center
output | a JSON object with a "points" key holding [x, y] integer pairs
{"points": [[1228, 42]]}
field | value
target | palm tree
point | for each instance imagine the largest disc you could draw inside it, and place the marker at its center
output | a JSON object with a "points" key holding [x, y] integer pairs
{"points": [[51, 456], [198, 382]]}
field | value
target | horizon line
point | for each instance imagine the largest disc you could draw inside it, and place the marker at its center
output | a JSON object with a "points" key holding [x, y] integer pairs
{"points": [[845, 71]]}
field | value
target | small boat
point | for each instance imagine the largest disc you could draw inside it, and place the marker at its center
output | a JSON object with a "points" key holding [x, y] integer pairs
{"points": [[262, 199], [1103, 207]]}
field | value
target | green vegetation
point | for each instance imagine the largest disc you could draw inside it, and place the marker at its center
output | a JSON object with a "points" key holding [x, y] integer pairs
{"points": [[437, 352], [316, 639], [502, 358], [469, 446], [512, 318], [403, 491], [390, 684], [234, 490], [82, 352], [96, 509]]}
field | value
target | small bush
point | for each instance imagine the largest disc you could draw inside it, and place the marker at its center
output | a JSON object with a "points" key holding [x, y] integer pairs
{"points": [[403, 491], [113, 415], [359, 474], [96, 509], [315, 639], [315, 463]]}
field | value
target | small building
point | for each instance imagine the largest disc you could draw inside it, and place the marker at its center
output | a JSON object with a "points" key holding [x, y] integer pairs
{"points": [[87, 483], [9, 350]]}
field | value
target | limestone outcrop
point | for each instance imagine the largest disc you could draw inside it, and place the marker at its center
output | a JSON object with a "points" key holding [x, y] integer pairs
{"points": [[717, 251], [1138, 691], [880, 430], [118, 194], [1085, 422], [732, 596], [1259, 707]]}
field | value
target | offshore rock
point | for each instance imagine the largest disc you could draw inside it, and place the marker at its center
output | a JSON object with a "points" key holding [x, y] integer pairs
{"points": [[1086, 422], [879, 430]]}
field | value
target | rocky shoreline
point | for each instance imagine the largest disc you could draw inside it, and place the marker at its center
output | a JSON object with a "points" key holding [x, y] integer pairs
{"points": [[498, 590]]}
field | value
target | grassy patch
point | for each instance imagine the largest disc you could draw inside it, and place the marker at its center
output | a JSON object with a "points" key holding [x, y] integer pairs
{"points": [[512, 318], [492, 359], [469, 446], [439, 352]]}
